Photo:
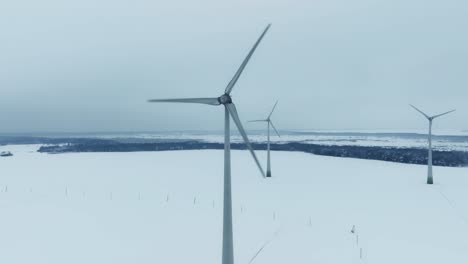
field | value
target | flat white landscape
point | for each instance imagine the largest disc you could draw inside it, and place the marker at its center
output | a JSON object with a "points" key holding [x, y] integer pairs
{"points": [[166, 207]]}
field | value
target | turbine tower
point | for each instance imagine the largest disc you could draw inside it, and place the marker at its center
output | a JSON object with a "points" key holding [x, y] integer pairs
{"points": [[269, 123], [229, 111], [429, 159]]}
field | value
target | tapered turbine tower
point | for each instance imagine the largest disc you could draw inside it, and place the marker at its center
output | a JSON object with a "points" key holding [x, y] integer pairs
{"points": [[229, 111], [269, 123], [430, 179]]}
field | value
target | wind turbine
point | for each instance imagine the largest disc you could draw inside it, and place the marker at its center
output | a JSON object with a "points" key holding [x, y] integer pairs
{"points": [[429, 159], [229, 111], [269, 122]]}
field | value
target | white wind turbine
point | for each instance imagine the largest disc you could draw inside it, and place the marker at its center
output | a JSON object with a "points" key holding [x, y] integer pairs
{"points": [[429, 159], [230, 110], [269, 122]]}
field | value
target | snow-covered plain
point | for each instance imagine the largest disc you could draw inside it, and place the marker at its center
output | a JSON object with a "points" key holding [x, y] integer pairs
{"points": [[375, 139], [165, 207], [443, 140]]}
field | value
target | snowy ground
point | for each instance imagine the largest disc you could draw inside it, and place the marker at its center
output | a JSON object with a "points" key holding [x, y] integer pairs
{"points": [[445, 140], [165, 207]]}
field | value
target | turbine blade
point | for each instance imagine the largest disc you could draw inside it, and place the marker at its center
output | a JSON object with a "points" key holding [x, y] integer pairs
{"points": [[273, 109], [443, 114], [208, 101], [271, 123], [235, 116], [244, 63], [424, 114], [258, 120]]}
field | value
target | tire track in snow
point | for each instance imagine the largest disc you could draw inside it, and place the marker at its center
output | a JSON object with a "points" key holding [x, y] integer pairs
{"points": [[453, 206], [275, 235], [457, 212]]}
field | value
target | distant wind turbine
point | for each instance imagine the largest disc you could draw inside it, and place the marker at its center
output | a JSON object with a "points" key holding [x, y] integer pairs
{"points": [[429, 159], [269, 122], [230, 110]]}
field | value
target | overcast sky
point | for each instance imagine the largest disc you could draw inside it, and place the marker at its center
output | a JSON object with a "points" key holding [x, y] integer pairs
{"points": [[75, 66]]}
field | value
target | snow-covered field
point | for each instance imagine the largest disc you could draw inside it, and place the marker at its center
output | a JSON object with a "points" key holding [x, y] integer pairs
{"points": [[446, 140], [165, 207]]}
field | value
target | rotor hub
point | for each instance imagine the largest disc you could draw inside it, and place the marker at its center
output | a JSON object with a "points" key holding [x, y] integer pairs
{"points": [[225, 99]]}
